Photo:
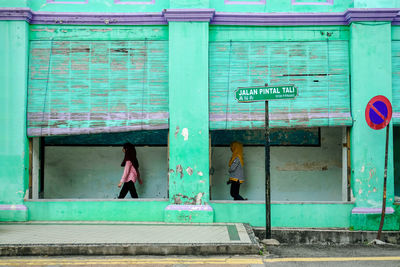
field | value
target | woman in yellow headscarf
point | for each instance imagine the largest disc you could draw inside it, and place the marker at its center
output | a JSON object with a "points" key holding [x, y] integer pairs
{"points": [[236, 176]]}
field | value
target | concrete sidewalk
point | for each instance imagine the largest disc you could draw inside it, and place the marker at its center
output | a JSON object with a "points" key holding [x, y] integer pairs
{"points": [[125, 238]]}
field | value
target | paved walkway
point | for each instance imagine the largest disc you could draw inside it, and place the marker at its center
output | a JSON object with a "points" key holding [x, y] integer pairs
{"points": [[170, 238]]}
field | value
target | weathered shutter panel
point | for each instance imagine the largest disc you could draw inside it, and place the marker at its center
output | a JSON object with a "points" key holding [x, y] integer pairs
{"points": [[396, 82], [82, 87], [319, 69]]}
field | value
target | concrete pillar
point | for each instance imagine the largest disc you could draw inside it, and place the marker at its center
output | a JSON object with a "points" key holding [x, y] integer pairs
{"points": [[189, 123], [14, 147], [371, 75]]}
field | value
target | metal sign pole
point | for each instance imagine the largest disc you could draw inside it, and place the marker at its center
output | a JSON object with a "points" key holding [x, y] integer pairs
{"points": [[267, 176], [384, 185]]}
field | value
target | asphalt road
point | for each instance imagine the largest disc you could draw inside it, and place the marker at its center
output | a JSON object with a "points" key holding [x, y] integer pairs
{"points": [[284, 255]]}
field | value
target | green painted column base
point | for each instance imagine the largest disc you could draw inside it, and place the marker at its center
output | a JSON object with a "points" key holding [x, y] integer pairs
{"points": [[189, 214], [13, 213], [371, 221]]}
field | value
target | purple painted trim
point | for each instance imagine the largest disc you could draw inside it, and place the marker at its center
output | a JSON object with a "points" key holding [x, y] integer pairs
{"points": [[370, 14], [87, 116], [230, 2], [328, 2], [66, 2], [389, 210], [278, 19], [396, 20], [16, 14], [152, 2], [189, 207], [207, 15], [99, 18], [277, 116], [13, 207], [188, 14]]}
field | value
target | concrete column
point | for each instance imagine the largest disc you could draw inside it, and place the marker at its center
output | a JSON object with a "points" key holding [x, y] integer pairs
{"points": [[371, 75], [14, 147], [188, 111]]}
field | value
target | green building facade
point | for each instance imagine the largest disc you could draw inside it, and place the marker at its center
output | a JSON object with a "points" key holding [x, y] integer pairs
{"points": [[79, 78]]}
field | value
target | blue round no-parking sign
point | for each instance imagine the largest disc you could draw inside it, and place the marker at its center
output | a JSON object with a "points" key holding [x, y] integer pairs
{"points": [[378, 112]]}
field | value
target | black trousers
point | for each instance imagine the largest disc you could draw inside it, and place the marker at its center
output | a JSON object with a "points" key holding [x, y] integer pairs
{"points": [[235, 186], [129, 186]]}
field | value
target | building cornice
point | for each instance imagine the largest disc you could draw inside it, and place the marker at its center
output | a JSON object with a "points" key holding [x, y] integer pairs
{"points": [[206, 15], [99, 18], [16, 14], [189, 14], [376, 14], [278, 19]]}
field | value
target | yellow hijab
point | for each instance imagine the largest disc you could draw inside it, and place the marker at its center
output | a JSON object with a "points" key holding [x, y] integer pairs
{"points": [[237, 152]]}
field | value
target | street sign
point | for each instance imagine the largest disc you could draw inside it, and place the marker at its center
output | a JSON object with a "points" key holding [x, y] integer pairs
{"points": [[265, 93], [378, 112]]}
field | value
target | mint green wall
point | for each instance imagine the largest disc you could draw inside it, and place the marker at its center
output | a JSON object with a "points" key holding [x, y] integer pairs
{"points": [[370, 46], [14, 156], [115, 210], [188, 110], [100, 33], [14, 3], [274, 33], [281, 6], [376, 3], [99, 6], [218, 5], [285, 214]]}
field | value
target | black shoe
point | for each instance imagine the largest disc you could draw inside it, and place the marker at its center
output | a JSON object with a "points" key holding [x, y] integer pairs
{"points": [[229, 182]]}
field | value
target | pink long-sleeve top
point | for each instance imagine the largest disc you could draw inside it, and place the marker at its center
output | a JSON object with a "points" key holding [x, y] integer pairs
{"points": [[130, 173]]}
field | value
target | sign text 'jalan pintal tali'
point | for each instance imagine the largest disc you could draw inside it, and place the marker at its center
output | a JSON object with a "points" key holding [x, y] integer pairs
{"points": [[251, 94]]}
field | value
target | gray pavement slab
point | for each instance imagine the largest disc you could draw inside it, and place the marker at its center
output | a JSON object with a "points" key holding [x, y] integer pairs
{"points": [[125, 238]]}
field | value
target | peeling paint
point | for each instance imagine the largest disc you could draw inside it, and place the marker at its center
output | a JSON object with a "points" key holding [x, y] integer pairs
{"points": [[179, 169], [358, 181], [374, 189], [177, 200], [202, 181], [185, 134], [200, 173], [372, 172], [198, 198], [176, 131], [189, 170], [360, 191], [101, 30], [43, 30], [362, 168]]}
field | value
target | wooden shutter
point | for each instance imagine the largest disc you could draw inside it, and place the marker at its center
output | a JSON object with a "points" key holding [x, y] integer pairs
{"points": [[82, 87], [319, 69]]}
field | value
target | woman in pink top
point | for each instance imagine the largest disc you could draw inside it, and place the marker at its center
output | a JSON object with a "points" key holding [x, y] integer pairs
{"points": [[131, 172]]}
